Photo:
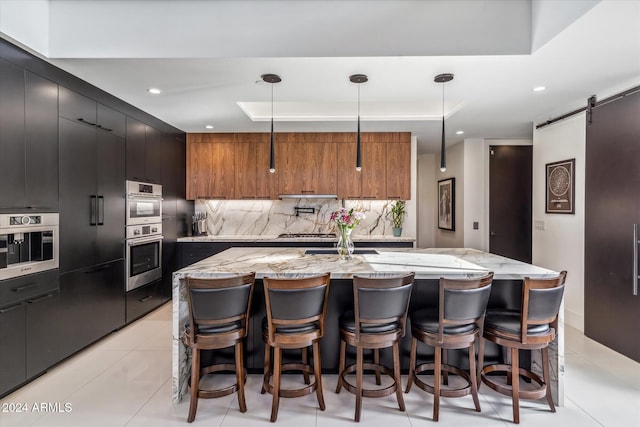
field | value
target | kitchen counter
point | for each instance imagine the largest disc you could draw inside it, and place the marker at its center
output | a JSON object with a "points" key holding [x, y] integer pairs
{"points": [[428, 264], [275, 238]]}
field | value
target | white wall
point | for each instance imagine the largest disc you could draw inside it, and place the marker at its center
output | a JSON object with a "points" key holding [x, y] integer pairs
{"points": [[26, 23], [426, 201], [455, 169], [558, 239], [474, 194]]}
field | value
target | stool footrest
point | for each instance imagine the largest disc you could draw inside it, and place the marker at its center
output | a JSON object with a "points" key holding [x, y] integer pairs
{"points": [[444, 390], [296, 392], [221, 367], [503, 388], [381, 392]]}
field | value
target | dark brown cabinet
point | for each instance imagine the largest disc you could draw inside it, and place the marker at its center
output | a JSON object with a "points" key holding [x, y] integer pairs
{"points": [[399, 167], [210, 166], [612, 209], [252, 177], [28, 140], [371, 181], [306, 165], [144, 152]]}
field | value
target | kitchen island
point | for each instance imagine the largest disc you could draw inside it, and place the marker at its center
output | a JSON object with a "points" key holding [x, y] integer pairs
{"points": [[428, 264]]}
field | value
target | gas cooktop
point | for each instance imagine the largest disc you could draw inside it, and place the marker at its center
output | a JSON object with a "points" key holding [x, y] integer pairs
{"points": [[319, 235]]}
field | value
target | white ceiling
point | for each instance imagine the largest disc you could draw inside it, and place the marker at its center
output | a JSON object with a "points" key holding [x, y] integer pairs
{"points": [[207, 58]]}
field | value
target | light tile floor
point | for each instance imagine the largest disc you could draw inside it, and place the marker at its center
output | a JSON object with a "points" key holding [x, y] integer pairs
{"points": [[125, 380]]}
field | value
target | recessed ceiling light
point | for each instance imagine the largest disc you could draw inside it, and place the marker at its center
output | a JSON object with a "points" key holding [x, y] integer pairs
{"points": [[460, 132], [209, 126], [154, 90], [539, 88]]}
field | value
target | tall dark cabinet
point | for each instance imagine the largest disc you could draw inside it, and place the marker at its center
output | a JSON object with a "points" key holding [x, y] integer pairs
{"points": [[67, 146], [92, 209], [612, 311], [28, 141]]}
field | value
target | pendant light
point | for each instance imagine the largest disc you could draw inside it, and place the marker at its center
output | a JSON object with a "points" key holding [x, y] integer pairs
{"points": [[271, 78], [358, 78], [443, 78]]}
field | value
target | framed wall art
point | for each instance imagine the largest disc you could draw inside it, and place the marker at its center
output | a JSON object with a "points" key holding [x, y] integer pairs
{"points": [[561, 187], [447, 204]]}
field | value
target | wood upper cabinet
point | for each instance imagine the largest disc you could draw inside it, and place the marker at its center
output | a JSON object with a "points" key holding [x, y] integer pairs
{"points": [[306, 163], [236, 166], [210, 166], [399, 166], [252, 177]]}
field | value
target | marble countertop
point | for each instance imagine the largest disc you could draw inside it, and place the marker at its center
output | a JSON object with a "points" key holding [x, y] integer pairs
{"points": [[275, 238], [426, 263]]}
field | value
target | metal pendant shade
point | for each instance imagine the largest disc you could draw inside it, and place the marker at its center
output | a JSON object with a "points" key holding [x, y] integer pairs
{"points": [[443, 78], [358, 78], [271, 78]]}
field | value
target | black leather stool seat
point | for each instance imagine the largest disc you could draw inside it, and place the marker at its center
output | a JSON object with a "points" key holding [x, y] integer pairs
{"points": [[508, 321], [215, 329], [427, 320], [293, 329], [347, 322]]}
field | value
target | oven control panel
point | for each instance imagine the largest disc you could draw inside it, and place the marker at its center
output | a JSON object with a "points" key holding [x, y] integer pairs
{"points": [[136, 231], [25, 220]]}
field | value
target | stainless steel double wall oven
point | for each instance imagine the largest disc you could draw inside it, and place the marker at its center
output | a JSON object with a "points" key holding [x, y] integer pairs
{"points": [[144, 234]]}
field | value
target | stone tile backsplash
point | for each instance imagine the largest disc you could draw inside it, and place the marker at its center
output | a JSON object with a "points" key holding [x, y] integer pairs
{"points": [[273, 217]]}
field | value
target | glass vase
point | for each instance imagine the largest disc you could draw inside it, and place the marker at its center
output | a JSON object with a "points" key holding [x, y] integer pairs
{"points": [[345, 246]]}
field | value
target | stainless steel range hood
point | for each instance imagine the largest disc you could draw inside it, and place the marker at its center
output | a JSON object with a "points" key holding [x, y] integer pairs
{"points": [[308, 196]]}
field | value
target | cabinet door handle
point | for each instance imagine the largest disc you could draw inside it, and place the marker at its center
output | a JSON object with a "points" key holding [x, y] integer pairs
{"points": [[145, 299], [634, 289], [43, 297], [100, 210], [10, 308], [86, 122], [93, 210], [24, 287]]}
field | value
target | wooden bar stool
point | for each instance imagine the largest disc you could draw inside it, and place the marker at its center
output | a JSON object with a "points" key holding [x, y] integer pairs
{"points": [[377, 321], [456, 324], [533, 327], [296, 311], [218, 318]]}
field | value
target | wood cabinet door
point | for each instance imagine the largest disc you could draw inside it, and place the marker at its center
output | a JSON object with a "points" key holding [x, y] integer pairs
{"points": [[349, 179], [266, 182], [291, 163], [374, 170], [245, 169], [210, 166], [252, 177], [399, 168], [321, 167]]}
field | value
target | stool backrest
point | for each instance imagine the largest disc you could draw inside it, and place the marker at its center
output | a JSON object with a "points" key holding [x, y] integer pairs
{"points": [[296, 302], [463, 302], [219, 301], [381, 300], [541, 299]]}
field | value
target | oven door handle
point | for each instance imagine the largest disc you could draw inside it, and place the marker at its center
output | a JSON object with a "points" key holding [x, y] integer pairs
{"points": [[143, 240]]}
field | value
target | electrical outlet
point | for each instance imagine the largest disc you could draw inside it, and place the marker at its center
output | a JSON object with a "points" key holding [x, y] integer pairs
{"points": [[539, 225]]}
